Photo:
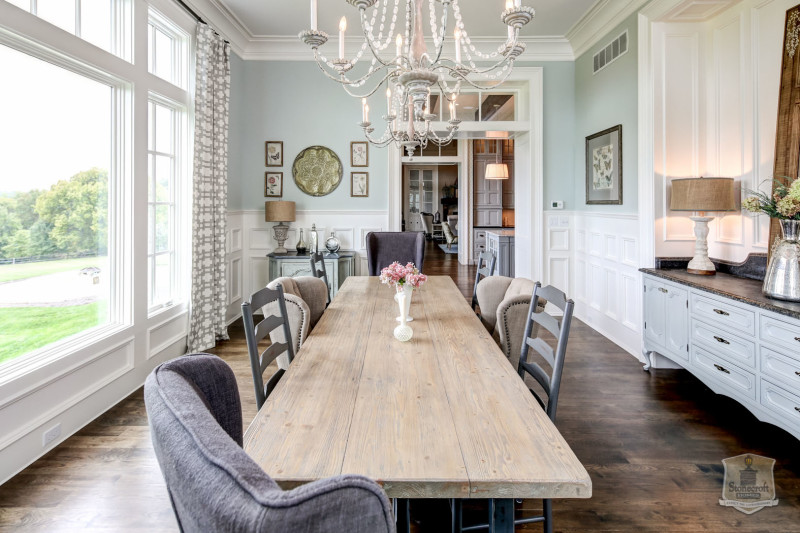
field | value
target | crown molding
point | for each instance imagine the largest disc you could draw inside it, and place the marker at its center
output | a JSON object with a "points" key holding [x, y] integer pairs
{"points": [[224, 22], [289, 48], [596, 23]]}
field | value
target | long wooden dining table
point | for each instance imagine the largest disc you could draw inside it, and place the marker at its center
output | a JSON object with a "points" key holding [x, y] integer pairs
{"points": [[441, 416]]}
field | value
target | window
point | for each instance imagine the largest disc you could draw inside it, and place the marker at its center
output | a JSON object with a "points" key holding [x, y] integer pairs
{"points": [[57, 175], [104, 23], [166, 126], [167, 51]]}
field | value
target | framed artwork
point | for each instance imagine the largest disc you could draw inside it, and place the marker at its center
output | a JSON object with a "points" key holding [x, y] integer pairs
{"points": [[274, 151], [359, 184], [273, 184], [604, 167], [359, 154]]}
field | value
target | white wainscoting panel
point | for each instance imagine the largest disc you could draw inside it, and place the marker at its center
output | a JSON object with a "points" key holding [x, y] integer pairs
{"points": [[607, 281], [248, 266]]}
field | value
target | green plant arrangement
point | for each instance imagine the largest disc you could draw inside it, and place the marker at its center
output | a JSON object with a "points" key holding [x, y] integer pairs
{"points": [[783, 203]]}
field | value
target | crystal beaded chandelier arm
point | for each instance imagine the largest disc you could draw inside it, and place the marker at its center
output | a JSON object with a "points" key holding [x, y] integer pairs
{"points": [[412, 72]]}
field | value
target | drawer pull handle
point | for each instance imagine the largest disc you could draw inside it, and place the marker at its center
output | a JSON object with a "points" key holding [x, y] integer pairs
{"points": [[797, 409], [797, 374], [797, 339], [722, 369], [720, 339], [663, 290], [721, 312]]}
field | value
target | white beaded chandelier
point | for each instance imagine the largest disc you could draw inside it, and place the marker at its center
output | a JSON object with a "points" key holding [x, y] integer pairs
{"points": [[412, 71]]}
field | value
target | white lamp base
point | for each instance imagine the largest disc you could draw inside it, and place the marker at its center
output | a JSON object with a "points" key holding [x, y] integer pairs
{"points": [[700, 263]]}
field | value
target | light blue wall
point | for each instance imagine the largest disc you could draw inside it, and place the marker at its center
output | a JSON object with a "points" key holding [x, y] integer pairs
{"points": [[291, 101], [559, 129], [235, 127], [603, 100]]}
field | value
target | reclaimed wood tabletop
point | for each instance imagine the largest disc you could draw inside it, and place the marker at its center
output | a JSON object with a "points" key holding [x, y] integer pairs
{"points": [[441, 416]]}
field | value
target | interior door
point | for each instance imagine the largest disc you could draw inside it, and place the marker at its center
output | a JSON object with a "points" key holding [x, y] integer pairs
{"points": [[420, 194]]}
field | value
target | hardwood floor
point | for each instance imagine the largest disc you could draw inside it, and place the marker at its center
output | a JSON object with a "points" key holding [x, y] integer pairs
{"points": [[652, 443]]}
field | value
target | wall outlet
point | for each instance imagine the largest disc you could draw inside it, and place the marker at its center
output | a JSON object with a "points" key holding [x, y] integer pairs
{"points": [[558, 204], [51, 434]]}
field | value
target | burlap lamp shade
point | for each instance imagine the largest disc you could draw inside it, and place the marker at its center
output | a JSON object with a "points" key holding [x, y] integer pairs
{"points": [[703, 194], [279, 211]]}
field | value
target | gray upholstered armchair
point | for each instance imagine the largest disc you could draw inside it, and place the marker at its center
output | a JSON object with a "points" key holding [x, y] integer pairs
{"points": [[306, 298], [196, 425], [504, 304]]}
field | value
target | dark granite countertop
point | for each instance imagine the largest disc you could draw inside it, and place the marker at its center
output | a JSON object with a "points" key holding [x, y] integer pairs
{"points": [[741, 289]]}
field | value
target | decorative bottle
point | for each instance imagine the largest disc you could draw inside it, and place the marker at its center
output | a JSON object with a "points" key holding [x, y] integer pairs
{"points": [[314, 239], [301, 246], [332, 244]]}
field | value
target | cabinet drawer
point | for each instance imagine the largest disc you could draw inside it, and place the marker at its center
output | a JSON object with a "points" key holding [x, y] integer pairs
{"points": [[781, 402], [780, 367], [720, 371], [781, 333], [480, 236], [720, 313], [724, 344]]}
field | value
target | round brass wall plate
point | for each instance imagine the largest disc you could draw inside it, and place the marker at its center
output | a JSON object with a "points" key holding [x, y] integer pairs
{"points": [[317, 171]]}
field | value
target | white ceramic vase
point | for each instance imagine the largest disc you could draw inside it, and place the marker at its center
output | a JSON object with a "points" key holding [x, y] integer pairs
{"points": [[408, 290], [403, 332]]}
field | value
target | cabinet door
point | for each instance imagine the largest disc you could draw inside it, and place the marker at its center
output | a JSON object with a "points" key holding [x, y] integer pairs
{"points": [[489, 217], [677, 328], [488, 193], [655, 317], [508, 185], [293, 269]]}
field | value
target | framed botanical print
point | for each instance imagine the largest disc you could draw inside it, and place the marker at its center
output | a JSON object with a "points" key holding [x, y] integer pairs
{"points": [[359, 184], [273, 184], [604, 167], [359, 154], [274, 151]]}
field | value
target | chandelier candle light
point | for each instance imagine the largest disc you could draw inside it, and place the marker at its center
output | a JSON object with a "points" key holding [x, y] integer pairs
{"points": [[413, 72]]}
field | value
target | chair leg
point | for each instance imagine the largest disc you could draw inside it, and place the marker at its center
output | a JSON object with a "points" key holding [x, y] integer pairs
{"points": [[456, 515], [402, 514], [547, 507]]}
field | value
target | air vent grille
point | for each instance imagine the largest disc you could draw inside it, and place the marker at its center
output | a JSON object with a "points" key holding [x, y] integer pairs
{"points": [[610, 53]]}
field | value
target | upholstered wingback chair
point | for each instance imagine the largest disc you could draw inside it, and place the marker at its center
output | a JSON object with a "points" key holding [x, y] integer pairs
{"points": [[449, 237], [306, 298], [195, 417], [386, 247], [504, 304]]}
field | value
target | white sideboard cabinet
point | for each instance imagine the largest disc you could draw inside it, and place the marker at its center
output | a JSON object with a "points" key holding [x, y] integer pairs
{"points": [[731, 337]]}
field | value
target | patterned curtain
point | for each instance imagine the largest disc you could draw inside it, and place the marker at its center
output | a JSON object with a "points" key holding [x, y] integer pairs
{"points": [[210, 191]]}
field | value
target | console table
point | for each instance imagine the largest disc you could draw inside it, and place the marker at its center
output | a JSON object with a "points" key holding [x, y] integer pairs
{"points": [[734, 339], [291, 265]]}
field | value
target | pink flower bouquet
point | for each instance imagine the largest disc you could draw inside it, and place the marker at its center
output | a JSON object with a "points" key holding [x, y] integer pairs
{"points": [[400, 276]]}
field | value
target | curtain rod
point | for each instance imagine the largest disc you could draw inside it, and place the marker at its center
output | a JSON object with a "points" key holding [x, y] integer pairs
{"points": [[194, 14]]}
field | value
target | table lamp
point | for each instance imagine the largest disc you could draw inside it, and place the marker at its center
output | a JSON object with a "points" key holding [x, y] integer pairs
{"points": [[701, 195], [281, 212]]}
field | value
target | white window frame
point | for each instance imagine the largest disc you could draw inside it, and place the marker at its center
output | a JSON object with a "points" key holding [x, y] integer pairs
{"points": [[121, 25], [179, 74], [179, 200], [119, 210]]}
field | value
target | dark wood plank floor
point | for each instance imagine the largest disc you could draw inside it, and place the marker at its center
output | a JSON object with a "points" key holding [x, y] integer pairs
{"points": [[652, 443]]}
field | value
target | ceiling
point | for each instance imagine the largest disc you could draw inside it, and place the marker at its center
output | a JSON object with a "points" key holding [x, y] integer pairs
{"points": [[481, 17]]}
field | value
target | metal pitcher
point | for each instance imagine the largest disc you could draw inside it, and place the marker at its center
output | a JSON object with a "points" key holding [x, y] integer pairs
{"points": [[782, 281]]}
